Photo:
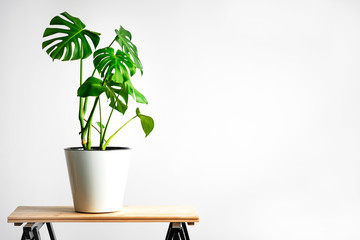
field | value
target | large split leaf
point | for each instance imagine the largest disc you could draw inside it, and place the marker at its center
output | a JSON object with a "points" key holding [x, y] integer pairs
{"points": [[124, 39], [119, 64], [69, 42]]}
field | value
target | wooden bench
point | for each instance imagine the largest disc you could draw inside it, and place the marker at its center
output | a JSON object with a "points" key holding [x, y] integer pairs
{"points": [[34, 217]]}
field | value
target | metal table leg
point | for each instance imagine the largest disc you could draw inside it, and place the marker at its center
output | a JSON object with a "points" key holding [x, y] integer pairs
{"points": [[31, 231], [177, 231], [51, 231]]}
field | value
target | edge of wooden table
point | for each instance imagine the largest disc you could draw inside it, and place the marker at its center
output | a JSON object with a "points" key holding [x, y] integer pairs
{"points": [[163, 213]]}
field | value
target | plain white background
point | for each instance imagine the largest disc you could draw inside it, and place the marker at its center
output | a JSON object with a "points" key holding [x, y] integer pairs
{"points": [[256, 105]]}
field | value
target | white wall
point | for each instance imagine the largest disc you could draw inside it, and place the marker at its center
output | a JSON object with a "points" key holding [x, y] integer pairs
{"points": [[256, 106]]}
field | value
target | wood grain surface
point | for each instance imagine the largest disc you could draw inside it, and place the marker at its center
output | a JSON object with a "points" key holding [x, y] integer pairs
{"points": [[127, 214]]}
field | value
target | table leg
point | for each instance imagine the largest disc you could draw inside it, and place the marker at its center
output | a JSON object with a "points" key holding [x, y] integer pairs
{"points": [[31, 231], [51, 231], [186, 237], [36, 234], [168, 232], [177, 231]]}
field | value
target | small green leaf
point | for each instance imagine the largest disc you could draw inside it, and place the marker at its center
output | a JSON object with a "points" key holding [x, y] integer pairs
{"points": [[147, 122], [91, 87], [100, 125]]}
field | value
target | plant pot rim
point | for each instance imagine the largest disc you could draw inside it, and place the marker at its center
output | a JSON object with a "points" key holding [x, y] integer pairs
{"points": [[94, 149]]}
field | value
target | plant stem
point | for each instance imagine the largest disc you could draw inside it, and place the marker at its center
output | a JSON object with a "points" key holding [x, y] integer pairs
{"points": [[112, 42], [81, 109], [101, 126], [89, 122], [94, 127], [85, 105], [107, 124], [107, 142]]}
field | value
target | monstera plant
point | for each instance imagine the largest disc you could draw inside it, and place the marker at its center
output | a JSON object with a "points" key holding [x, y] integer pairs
{"points": [[68, 40]]}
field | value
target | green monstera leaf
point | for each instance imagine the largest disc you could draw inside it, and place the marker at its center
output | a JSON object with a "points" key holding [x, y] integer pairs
{"points": [[147, 123], [124, 39], [115, 102], [70, 41], [120, 89], [134, 93], [126, 89], [119, 64], [94, 87]]}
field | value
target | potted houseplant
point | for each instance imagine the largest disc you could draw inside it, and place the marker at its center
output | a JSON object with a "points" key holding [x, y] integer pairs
{"points": [[98, 173]]}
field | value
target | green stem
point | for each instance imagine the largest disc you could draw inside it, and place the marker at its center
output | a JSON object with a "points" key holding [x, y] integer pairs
{"points": [[107, 142], [85, 105], [101, 126], [107, 124], [81, 104], [112, 42], [93, 127], [89, 122]]}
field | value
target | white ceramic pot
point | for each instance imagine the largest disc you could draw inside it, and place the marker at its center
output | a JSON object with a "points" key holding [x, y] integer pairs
{"points": [[98, 178]]}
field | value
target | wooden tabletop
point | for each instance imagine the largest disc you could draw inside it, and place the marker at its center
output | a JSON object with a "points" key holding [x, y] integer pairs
{"points": [[24, 214]]}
